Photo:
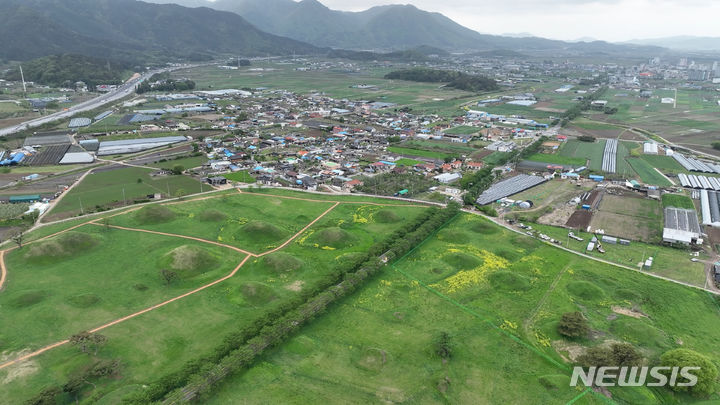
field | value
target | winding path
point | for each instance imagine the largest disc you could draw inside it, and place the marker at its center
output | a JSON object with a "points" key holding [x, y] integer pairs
{"points": [[248, 255]]}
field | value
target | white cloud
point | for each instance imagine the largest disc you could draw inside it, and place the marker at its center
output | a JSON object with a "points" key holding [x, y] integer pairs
{"points": [[614, 20]]}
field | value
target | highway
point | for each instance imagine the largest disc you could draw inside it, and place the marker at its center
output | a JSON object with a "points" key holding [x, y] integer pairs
{"points": [[122, 91]]}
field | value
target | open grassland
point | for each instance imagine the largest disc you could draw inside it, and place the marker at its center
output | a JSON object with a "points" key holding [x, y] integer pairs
{"points": [[86, 277], [418, 152], [678, 201], [499, 297], [647, 173], [163, 340], [557, 159], [105, 188], [588, 151], [251, 222], [189, 162], [667, 261]]}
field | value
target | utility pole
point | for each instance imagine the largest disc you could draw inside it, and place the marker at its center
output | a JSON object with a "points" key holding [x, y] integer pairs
{"points": [[124, 199], [82, 212], [22, 76]]}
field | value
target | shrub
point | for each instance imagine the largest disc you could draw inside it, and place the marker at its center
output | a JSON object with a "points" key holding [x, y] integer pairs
{"points": [[573, 324], [706, 376]]}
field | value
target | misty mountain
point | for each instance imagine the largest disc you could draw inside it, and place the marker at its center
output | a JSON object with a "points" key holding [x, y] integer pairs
{"points": [[688, 43], [393, 27], [130, 29]]}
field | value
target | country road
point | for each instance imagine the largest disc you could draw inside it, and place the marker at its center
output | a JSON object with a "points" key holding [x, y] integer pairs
{"points": [[124, 90]]}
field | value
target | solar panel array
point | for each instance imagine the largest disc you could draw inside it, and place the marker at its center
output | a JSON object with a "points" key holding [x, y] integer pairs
{"points": [[682, 220], [695, 165], [509, 187], [79, 122], [610, 156]]}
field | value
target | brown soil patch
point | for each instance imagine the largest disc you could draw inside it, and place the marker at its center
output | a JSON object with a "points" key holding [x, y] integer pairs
{"points": [[18, 370], [580, 219], [628, 312], [573, 350], [296, 286]]}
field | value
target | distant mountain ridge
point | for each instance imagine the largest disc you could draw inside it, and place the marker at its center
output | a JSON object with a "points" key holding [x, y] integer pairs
{"points": [[686, 42], [391, 27], [130, 29]]}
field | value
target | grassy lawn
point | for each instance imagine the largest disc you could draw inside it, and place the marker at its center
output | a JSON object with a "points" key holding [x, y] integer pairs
{"points": [[664, 163], [668, 262], [87, 277], [407, 162], [677, 201], [495, 158], [592, 151], [647, 172], [499, 296], [161, 341], [557, 159], [105, 188], [418, 152], [462, 130], [242, 176], [189, 162], [251, 222]]}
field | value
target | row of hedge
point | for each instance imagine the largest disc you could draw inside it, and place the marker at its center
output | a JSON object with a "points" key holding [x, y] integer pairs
{"points": [[203, 383], [390, 246]]}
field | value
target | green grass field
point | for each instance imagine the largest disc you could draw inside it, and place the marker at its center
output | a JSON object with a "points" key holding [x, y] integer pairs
{"points": [[106, 189], [585, 150], [677, 201], [252, 222], [161, 341], [90, 276], [189, 162], [499, 296], [407, 162], [418, 152], [242, 176], [557, 159], [462, 130], [647, 172]]}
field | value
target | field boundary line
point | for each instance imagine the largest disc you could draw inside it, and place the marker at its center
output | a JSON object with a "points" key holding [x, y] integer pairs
{"points": [[543, 299], [237, 249], [577, 398], [287, 242], [127, 317]]}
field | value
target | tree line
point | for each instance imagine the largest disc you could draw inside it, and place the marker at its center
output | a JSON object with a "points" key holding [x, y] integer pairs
{"points": [[199, 378], [166, 85], [457, 80], [65, 70]]}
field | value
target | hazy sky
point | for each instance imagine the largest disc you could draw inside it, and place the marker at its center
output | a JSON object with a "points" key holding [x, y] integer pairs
{"points": [[612, 20]]}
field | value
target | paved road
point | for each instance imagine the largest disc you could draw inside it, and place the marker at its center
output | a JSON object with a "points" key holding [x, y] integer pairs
{"points": [[124, 90]]}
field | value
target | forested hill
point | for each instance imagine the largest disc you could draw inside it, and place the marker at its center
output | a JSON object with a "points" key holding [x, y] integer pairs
{"points": [[65, 70], [130, 30], [458, 80]]}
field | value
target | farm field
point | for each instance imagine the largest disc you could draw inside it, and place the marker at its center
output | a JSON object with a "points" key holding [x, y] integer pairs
{"points": [[242, 176], [629, 217], [647, 172], [462, 130], [692, 124], [189, 162], [105, 188], [557, 159], [335, 83], [498, 296], [668, 262], [161, 341], [592, 152], [418, 152], [677, 201]]}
